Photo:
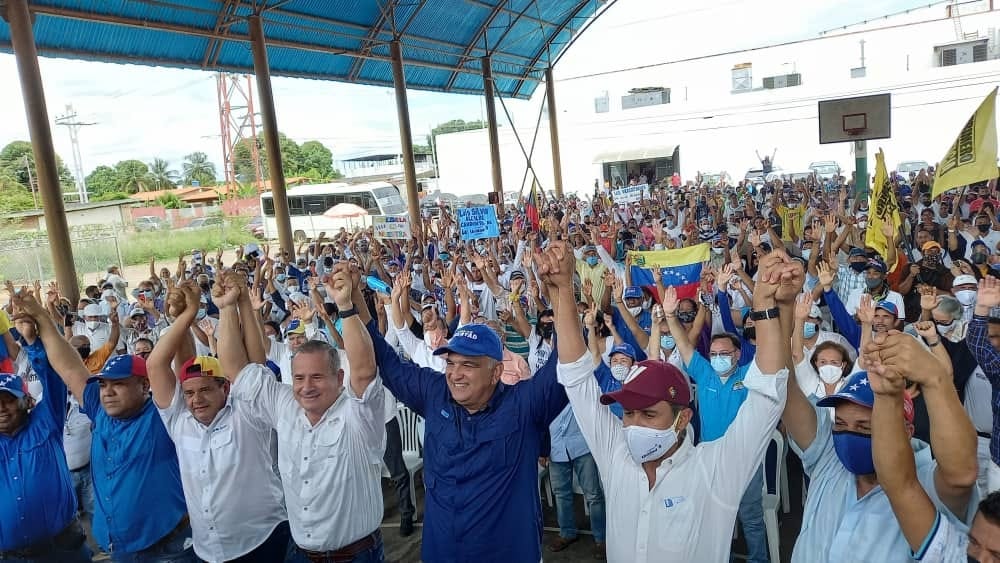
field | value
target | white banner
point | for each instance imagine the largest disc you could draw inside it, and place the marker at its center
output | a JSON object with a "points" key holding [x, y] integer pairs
{"points": [[395, 227], [630, 194]]}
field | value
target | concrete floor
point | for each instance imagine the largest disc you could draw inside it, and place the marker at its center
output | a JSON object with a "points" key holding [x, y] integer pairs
{"points": [[407, 550]]}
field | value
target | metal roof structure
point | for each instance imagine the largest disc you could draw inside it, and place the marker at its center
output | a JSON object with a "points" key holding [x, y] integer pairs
{"points": [[443, 41]]}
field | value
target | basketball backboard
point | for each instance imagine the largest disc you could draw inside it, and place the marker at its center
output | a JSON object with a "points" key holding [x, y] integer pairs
{"points": [[863, 118]]}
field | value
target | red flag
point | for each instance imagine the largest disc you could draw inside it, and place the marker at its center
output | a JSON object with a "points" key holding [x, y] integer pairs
{"points": [[531, 208]]}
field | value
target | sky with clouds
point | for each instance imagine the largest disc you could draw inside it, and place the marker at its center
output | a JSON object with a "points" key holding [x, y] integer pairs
{"points": [[146, 112]]}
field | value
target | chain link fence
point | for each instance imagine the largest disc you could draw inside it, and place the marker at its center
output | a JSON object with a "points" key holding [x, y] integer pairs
{"points": [[26, 257]]}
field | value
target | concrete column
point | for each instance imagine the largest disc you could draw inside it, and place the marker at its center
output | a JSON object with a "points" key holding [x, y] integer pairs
{"points": [[405, 136], [22, 38], [550, 99], [491, 125], [277, 176]]}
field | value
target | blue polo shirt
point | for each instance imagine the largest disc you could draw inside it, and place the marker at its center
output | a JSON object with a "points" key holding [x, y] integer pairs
{"points": [[718, 402], [138, 497], [480, 470], [36, 494]]}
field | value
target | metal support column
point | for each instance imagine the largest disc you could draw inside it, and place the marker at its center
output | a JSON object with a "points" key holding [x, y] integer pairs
{"points": [[270, 122], [405, 136], [550, 99], [491, 126], [861, 169], [22, 38]]}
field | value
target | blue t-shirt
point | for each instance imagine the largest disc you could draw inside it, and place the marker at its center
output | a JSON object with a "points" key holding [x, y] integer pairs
{"points": [[718, 401]]}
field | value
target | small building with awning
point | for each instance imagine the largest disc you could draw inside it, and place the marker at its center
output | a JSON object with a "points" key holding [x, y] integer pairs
{"points": [[657, 162]]}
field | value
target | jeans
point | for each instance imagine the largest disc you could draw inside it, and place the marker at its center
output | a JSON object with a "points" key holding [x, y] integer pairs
{"points": [[561, 474], [84, 487], [751, 516], [177, 549], [374, 554], [273, 550], [56, 555], [68, 546], [394, 462]]}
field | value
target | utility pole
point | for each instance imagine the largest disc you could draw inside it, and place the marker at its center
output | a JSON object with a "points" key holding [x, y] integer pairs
{"points": [[69, 120]]}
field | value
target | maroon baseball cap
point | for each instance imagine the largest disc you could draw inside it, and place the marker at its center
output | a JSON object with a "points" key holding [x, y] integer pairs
{"points": [[650, 382]]}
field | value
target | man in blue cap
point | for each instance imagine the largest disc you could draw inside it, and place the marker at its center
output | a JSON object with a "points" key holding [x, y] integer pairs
{"points": [[482, 446], [847, 514], [139, 510]]}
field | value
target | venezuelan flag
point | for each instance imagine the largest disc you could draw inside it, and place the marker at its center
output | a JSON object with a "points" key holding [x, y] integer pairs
{"points": [[531, 207], [680, 268]]}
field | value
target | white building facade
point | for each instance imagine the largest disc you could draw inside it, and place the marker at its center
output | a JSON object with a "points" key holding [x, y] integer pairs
{"points": [[938, 62]]}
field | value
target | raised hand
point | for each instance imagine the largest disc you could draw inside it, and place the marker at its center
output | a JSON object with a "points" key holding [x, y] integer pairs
{"points": [[988, 295], [866, 309], [928, 297], [825, 274], [588, 289], [908, 358], [927, 329], [830, 224], [257, 298], [556, 265], [887, 231], [670, 301], [803, 304], [340, 286], [724, 277], [226, 291], [754, 238], [657, 275]]}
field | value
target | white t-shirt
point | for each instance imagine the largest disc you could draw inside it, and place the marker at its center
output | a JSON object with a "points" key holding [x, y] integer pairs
{"points": [[892, 297]]}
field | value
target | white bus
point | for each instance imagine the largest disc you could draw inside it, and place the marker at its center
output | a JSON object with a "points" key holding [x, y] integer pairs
{"points": [[306, 205]]}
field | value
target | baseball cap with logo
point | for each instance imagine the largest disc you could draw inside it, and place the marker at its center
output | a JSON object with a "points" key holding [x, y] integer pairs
{"points": [[858, 390], [474, 340], [122, 367], [200, 366], [632, 292], [12, 384], [295, 327], [650, 382], [624, 348], [888, 306]]}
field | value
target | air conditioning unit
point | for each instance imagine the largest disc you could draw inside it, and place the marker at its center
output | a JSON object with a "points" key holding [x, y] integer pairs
{"points": [[642, 97], [782, 81], [963, 53]]}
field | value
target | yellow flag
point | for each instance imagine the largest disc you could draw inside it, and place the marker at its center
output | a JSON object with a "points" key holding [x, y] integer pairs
{"points": [[973, 155], [884, 209]]}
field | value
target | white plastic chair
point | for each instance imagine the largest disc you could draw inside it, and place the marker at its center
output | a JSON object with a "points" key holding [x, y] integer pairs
{"points": [[772, 501], [410, 426], [544, 485]]}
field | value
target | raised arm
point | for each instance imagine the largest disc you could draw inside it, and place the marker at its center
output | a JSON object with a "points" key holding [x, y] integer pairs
{"points": [[340, 286], [62, 357], [681, 339], [182, 302]]}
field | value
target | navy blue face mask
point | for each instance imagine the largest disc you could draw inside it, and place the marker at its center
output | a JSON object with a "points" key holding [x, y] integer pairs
{"points": [[854, 450]]}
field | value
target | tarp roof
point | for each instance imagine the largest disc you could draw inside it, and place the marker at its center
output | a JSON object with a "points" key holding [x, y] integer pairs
{"points": [[340, 40], [634, 153]]}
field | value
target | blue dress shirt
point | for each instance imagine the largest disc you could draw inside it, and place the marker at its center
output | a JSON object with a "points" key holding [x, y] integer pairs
{"points": [[36, 494], [481, 469], [567, 439], [137, 481]]}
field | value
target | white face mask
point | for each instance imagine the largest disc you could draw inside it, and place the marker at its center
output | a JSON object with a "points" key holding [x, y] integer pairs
{"points": [[635, 311], [830, 374], [966, 297], [620, 371], [92, 325], [646, 444], [943, 329]]}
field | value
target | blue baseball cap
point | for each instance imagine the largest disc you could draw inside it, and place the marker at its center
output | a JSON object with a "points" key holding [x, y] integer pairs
{"points": [[888, 306], [474, 340], [12, 384], [122, 367], [857, 390], [632, 292], [624, 348]]}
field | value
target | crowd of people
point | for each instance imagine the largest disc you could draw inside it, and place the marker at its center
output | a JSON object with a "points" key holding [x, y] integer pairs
{"points": [[246, 411]]}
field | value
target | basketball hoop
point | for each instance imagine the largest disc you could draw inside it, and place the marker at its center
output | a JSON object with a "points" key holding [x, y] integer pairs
{"points": [[854, 120], [855, 124]]}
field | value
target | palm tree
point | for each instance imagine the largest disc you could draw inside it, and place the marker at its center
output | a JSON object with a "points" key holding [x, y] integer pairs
{"points": [[161, 177], [197, 167]]}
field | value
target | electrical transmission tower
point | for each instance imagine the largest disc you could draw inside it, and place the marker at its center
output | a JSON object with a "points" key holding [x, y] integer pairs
{"points": [[238, 124], [70, 121]]}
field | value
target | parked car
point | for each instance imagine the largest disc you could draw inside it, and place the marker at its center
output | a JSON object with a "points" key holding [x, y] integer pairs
{"points": [[150, 223], [907, 167], [825, 169], [256, 227], [204, 222]]}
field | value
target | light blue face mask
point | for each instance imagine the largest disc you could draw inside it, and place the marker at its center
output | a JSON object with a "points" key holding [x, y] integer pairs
{"points": [[280, 278], [721, 364], [809, 330], [592, 261], [202, 313], [667, 342]]}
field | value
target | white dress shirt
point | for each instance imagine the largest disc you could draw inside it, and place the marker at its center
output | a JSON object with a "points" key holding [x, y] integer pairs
{"points": [[331, 472], [234, 498], [690, 512], [418, 350], [76, 437]]}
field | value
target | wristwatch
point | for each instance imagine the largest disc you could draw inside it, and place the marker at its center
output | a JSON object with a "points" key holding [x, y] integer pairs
{"points": [[347, 313], [771, 313]]}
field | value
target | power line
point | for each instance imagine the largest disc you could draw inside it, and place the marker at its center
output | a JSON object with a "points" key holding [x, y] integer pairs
{"points": [[69, 120]]}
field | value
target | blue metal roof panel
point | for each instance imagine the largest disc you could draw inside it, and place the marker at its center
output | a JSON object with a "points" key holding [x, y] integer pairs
{"points": [[342, 40]]}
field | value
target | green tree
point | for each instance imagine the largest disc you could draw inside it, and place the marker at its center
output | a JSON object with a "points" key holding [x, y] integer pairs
{"points": [[291, 159], [103, 180], [197, 168], [243, 162], [110, 196], [17, 154], [170, 201], [160, 176], [451, 127], [291, 155], [133, 176], [315, 156]]}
